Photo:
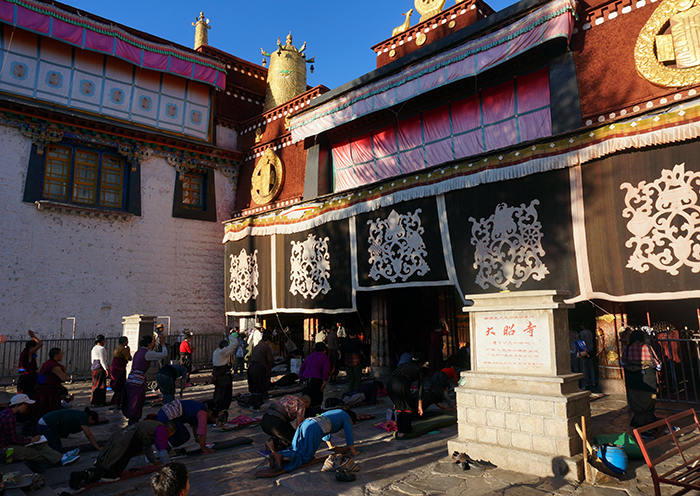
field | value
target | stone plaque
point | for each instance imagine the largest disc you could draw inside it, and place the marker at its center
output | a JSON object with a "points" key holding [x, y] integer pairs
{"points": [[513, 342]]}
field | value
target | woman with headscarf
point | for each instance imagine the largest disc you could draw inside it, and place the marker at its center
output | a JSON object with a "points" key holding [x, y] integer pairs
{"points": [[136, 382], [50, 390], [641, 364], [98, 358], [117, 370], [26, 383]]}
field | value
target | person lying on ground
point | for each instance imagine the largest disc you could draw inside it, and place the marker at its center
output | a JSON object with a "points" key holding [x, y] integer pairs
{"points": [[282, 418], [15, 447], [136, 439], [60, 424], [194, 413], [171, 480], [309, 435]]}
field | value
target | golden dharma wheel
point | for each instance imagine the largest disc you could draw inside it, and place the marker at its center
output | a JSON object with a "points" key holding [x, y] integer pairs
{"points": [[267, 179], [428, 8]]}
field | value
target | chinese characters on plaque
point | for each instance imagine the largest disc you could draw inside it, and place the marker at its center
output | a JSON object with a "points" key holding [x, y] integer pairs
{"points": [[513, 342]]}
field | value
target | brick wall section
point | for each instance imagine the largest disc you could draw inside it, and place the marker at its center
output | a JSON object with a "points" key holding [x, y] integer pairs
{"points": [[58, 264], [542, 424]]}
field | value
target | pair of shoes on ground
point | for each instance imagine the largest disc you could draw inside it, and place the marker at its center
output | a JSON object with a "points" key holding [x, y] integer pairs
{"points": [[70, 457]]}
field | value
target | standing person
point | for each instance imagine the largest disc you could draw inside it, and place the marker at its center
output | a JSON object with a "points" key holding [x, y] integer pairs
{"points": [[125, 444], [194, 413], [342, 337], [221, 374], [60, 424], [315, 371], [400, 394], [436, 344], [254, 337], [332, 344], [186, 351], [117, 371], [50, 390], [641, 364], [136, 382], [241, 352], [309, 435], [171, 480], [98, 358], [587, 357], [14, 447], [26, 383], [167, 381], [260, 368], [282, 418], [353, 361]]}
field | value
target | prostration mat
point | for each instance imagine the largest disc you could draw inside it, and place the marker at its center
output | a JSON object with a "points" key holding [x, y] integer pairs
{"points": [[429, 423]]}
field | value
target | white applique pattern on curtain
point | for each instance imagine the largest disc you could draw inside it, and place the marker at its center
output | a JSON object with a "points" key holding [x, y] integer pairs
{"points": [[244, 276], [310, 267], [396, 247], [508, 247], [664, 220]]}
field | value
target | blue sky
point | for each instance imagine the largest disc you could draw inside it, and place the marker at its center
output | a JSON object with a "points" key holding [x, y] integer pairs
{"points": [[339, 34]]}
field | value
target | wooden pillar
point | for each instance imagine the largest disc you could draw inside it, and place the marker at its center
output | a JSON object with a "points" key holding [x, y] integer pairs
{"points": [[310, 330], [379, 327], [447, 312]]}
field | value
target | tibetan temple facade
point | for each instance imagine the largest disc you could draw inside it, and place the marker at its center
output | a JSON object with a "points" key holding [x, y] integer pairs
{"points": [[549, 146]]}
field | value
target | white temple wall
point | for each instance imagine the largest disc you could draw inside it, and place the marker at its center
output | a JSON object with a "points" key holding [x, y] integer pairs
{"points": [[58, 265]]}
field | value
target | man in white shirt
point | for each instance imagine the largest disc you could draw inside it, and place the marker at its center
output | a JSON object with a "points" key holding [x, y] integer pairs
{"points": [[255, 337], [99, 367], [320, 336], [221, 373]]}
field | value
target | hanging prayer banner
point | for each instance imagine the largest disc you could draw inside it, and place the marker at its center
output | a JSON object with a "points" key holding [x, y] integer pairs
{"points": [[313, 270], [642, 224], [248, 275], [513, 235], [400, 246]]}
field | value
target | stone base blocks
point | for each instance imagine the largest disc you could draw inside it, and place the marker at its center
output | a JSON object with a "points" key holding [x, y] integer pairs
{"points": [[519, 405], [526, 424]]}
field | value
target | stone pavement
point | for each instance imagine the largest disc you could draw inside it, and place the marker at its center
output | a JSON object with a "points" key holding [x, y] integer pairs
{"points": [[418, 467]]}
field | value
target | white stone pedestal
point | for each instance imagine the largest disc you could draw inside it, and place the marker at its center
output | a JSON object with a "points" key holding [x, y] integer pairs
{"points": [[135, 327], [520, 403]]}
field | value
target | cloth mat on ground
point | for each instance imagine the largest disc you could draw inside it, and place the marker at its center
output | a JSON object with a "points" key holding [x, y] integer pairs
{"points": [[430, 423]]}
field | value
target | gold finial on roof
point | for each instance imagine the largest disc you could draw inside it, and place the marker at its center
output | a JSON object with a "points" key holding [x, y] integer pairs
{"points": [[201, 27], [286, 76]]}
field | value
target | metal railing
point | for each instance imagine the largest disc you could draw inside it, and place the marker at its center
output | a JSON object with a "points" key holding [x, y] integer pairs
{"points": [[679, 378], [76, 353]]}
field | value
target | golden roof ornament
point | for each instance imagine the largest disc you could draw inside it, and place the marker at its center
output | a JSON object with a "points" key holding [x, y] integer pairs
{"points": [[201, 31], [428, 8], [667, 52], [406, 24], [267, 179], [286, 76]]}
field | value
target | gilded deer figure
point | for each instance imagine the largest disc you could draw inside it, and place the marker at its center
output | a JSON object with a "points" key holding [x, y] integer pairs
{"points": [[406, 24]]}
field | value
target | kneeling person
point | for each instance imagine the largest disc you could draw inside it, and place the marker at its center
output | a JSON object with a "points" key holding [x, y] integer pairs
{"points": [[309, 435], [282, 418], [191, 412], [60, 424]]}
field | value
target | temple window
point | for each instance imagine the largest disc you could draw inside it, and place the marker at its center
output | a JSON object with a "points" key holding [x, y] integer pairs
{"points": [[83, 176], [194, 195]]}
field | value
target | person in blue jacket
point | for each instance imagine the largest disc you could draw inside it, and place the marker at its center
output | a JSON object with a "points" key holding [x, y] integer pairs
{"points": [[194, 413], [309, 435]]}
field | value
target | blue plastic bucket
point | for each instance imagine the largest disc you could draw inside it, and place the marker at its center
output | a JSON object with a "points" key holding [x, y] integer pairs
{"points": [[613, 457]]}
